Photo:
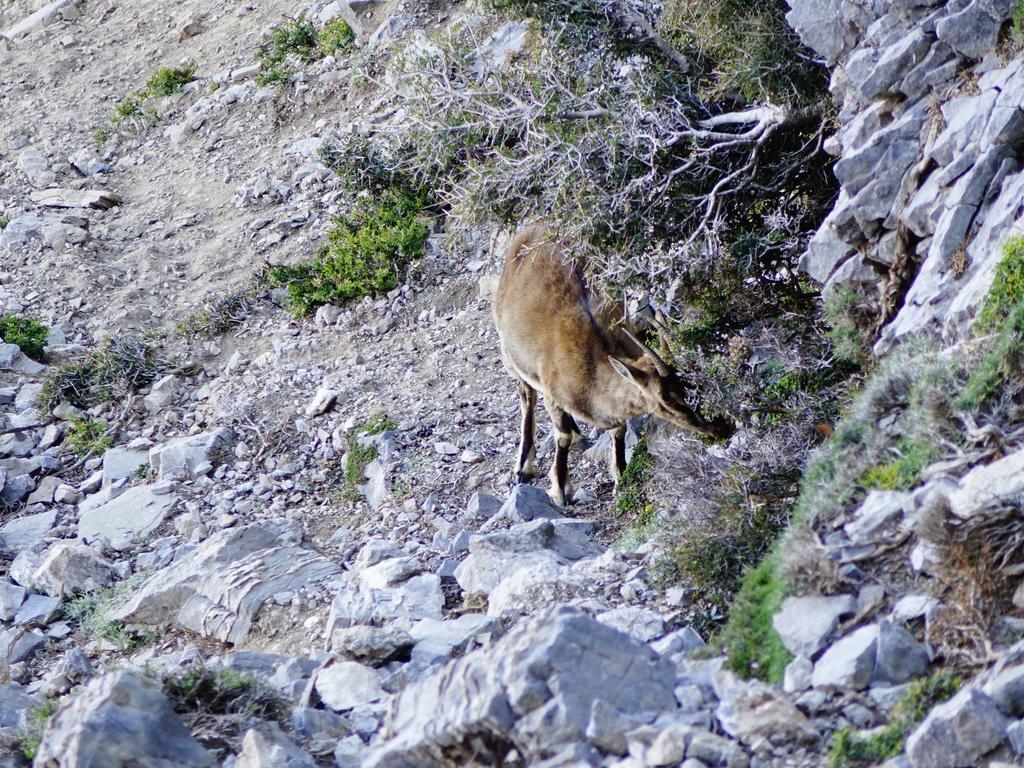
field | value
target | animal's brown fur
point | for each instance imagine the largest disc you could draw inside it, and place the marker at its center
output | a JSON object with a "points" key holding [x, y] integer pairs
{"points": [[553, 341]]}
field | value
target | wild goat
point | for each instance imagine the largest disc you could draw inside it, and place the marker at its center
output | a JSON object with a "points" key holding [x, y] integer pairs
{"points": [[553, 341]]}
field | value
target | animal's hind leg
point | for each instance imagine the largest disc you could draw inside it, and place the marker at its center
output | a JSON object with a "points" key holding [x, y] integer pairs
{"points": [[527, 449], [561, 491]]}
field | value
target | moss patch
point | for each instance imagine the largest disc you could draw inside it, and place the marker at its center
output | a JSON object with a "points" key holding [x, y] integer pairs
{"points": [[754, 647], [856, 749]]}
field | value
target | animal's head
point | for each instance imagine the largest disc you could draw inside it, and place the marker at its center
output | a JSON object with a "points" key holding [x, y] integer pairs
{"points": [[665, 395]]}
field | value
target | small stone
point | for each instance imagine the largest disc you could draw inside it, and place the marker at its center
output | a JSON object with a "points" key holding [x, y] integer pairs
{"points": [[347, 684], [322, 402]]}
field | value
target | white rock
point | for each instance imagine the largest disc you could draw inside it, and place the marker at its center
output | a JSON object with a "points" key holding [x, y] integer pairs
{"points": [[347, 684], [134, 514]]}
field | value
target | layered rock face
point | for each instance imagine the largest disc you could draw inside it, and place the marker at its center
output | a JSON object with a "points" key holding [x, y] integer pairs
{"points": [[930, 121]]}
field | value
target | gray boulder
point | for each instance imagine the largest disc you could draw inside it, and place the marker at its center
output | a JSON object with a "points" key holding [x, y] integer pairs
{"points": [[955, 734], [69, 569], [133, 515], [496, 556], [25, 532], [177, 459], [532, 689], [120, 720], [14, 703], [1007, 690], [524, 504], [849, 662], [344, 685], [218, 588], [268, 747], [806, 624]]}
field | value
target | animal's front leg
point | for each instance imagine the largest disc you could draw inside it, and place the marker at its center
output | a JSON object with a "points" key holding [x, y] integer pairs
{"points": [[527, 449], [561, 491]]}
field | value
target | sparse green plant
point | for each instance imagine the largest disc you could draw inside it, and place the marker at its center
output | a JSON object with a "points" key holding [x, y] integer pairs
{"points": [[360, 455], [217, 316], [913, 455], [92, 614], [143, 471], [1018, 19], [335, 37], [377, 422], [4, 221], [217, 704], [365, 253], [850, 315], [27, 332], [88, 437], [36, 719], [166, 81], [296, 38], [112, 371], [858, 749], [750, 512], [632, 496]]}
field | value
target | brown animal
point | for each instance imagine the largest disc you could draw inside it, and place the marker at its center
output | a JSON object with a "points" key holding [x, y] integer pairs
{"points": [[553, 341]]}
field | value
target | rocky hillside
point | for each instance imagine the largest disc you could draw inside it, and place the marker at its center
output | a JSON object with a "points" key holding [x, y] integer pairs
{"points": [[256, 440]]}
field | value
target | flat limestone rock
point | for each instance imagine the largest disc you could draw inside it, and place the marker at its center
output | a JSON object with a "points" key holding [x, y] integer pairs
{"points": [[25, 532], [218, 589], [132, 515], [76, 198]]}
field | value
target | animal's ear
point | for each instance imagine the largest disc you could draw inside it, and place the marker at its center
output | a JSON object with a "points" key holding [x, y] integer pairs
{"points": [[628, 372]]}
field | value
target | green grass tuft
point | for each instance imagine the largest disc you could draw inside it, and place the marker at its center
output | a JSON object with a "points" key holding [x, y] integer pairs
{"points": [[164, 82], [86, 437], [91, 612], [857, 749], [632, 493], [360, 456], [365, 253], [753, 646], [36, 719], [27, 332]]}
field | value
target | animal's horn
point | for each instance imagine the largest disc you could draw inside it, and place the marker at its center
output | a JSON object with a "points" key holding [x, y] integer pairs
{"points": [[659, 365]]}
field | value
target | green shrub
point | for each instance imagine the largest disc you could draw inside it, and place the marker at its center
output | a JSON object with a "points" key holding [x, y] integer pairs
{"points": [[632, 493], [115, 370], [1007, 291], [751, 642], [164, 82], [850, 316], [855, 749], [4, 221], [296, 38], [223, 692], [87, 437], [36, 719], [1018, 18], [335, 37], [750, 513], [360, 456], [743, 47], [27, 332], [1002, 313], [364, 255], [169, 80]]}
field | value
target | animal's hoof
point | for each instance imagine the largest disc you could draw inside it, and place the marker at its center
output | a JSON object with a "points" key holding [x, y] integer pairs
{"points": [[522, 477]]}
